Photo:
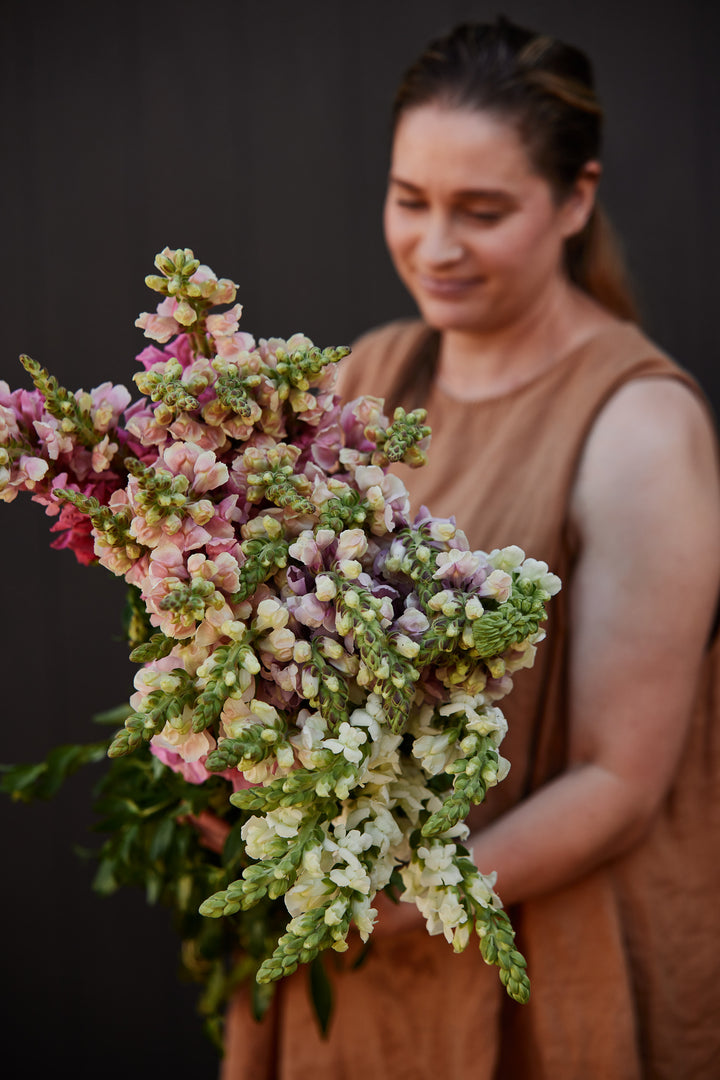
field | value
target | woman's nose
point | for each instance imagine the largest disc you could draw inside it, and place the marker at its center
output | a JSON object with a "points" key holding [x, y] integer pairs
{"points": [[439, 243]]}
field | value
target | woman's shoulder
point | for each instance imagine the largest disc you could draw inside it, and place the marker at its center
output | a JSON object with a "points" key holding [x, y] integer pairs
{"points": [[389, 334], [652, 434], [619, 362], [379, 356]]}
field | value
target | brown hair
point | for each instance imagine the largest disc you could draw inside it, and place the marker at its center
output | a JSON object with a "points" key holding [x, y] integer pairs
{"points": [[546, 89]]}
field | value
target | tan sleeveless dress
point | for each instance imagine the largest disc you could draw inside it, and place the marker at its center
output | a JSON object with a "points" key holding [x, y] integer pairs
{"points": [[625, 963]]}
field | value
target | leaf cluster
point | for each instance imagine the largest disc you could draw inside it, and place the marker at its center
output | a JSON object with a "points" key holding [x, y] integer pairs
{"points": [[142, 808]]}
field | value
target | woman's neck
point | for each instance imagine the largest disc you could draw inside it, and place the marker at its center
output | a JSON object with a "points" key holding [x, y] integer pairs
{"points": [[477, 366]]}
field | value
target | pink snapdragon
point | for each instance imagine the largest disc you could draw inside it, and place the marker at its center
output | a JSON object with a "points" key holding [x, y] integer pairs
{"points": [[357, 416], [162, 325], [387, 496], [225, 325], [180, 350], [201, 467], [107, 404]]}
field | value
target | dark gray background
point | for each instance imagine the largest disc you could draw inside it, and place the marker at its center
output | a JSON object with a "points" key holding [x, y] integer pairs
{"points": [[255, 133]]}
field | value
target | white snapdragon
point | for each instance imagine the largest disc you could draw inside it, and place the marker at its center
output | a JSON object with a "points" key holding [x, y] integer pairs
{"points": [[308, 892], [382, 869], [507, 558], [411, 794], [365, 718], [307, 741], [537, 571], [436, 752], [349, 872], [459, 831], [285, 821], [522, 656], [438, 864], [488, 720], [445, 601], [262, 772], [257, 834], [351, 876], [482, 889], [271, 615], [461, 936], [364, 916], [312, 860], [383, 829], [335, 912], [382, 766], [437, 901], [348, 742]]}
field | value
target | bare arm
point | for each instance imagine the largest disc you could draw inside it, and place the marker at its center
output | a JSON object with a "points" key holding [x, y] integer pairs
{"points": [[643, 598], [647, 504]]}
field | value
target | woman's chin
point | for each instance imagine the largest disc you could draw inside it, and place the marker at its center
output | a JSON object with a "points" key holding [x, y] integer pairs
{"points": [[464, 319]]}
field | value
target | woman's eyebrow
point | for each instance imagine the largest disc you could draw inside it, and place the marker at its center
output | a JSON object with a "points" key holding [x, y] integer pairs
{"points": [[493, 194]]}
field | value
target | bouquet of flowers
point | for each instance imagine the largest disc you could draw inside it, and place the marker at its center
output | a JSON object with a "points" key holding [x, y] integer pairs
{"points": [[317, 670]]}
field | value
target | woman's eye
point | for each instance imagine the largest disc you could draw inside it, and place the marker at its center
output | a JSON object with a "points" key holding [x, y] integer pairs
{"points": [[489, 217], [410, 204]]}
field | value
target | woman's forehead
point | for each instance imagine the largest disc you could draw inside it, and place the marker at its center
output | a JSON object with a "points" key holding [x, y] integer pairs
{"points": [[464, 150]]}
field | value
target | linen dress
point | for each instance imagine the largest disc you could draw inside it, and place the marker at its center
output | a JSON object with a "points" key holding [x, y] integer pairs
{"points": [[624, 963]]}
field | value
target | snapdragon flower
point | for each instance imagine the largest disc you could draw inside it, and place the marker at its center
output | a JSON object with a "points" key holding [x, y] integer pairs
{"points": [[335, 661]]}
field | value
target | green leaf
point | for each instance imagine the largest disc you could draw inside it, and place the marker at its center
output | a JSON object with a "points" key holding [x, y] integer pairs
{"points": [[262, 996], [19, 778], [162, 839], [42, 780], [394, 887], [113, 717], [105, 882], [153, 887], [362, 956], [321, 992], [183, 891], [61, 763], [234, 847]]}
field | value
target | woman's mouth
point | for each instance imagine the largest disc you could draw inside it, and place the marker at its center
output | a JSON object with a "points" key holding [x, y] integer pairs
{"points": [[447, 287]]}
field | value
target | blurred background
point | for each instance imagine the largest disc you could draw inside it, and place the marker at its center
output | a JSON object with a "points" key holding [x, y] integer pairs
{"points": [[255, 132]]}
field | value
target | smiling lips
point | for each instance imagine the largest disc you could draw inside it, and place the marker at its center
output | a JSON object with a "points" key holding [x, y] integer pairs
{"points": [[447, 287]]}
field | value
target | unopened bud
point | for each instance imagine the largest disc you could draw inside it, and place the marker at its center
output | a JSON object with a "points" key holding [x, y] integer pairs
{"points": [[473, 608], [302, 652], [325, 588]]}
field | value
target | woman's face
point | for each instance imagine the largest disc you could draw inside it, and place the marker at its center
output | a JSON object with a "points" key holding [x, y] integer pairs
{"points": [[473, 230]]}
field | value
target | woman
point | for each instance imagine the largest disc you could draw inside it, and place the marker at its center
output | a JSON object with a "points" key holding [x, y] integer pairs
{"points": [[559, 427]]}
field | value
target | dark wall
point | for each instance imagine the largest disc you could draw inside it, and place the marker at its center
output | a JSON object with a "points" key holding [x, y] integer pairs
{"points": [[255, 133]]}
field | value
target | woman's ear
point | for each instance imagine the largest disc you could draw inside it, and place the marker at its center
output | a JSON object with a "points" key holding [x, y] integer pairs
{"points": [[580, 202]]}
